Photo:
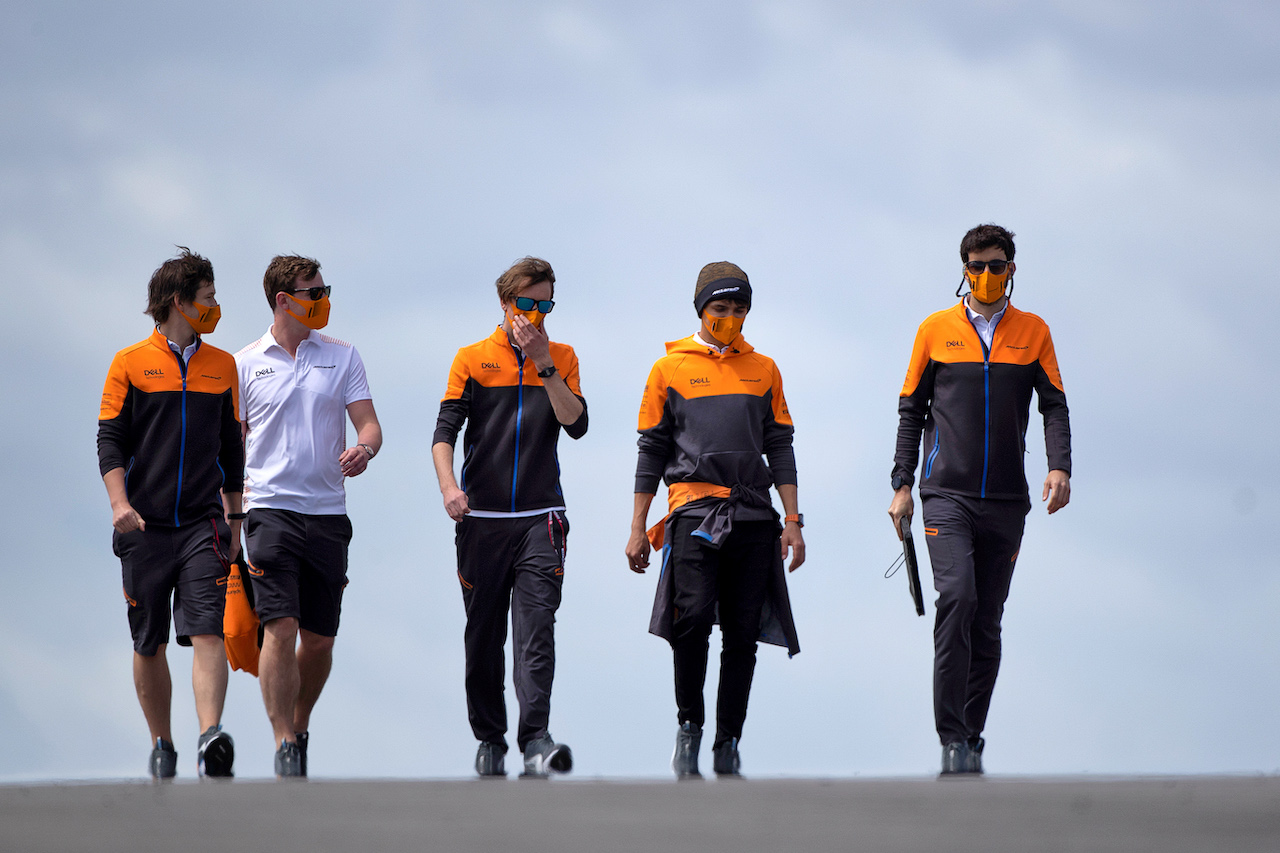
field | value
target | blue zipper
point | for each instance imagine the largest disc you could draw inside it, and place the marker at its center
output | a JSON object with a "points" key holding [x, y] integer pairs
{"points": [[515, 471], [933, 454]]}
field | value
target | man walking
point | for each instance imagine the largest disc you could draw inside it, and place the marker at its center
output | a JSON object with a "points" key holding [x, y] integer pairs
{"points": [[168, 443], [516, 390], [712, 413], [968, 390], [299, 389]]}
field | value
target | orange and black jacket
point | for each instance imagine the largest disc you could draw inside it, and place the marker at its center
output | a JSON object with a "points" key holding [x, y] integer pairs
{"points": [[174, 429], [510, 462], [972, 405], [706, 418]]}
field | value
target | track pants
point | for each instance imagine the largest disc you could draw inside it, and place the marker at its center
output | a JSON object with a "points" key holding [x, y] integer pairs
{"points": [[973, 547], [735, 577], [514, 564]]}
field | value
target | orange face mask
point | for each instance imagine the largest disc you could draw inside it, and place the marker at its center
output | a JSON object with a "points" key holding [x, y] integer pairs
{"points": [[534, 317], [315, 312], [986, 286], [723, 329], [206, 319]]}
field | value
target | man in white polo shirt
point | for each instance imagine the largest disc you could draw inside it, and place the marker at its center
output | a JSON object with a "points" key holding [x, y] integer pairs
{"points": [[299, 387]]}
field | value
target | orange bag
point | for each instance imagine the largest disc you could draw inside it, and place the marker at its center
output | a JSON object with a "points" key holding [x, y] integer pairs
{"points": [[241, 632]]}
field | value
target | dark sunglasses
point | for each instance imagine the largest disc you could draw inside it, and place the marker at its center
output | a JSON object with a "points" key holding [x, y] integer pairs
{"points": [[996, 267], [314, 293], [524, 303]]}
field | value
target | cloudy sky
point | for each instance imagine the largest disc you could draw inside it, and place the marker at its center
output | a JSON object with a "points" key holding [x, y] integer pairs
{"points": [[837, 151]]}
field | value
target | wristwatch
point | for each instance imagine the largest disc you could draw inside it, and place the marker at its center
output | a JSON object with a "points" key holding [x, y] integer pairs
{"points": [[548, 373], [898, 482], [798, 518], [367, 449]]}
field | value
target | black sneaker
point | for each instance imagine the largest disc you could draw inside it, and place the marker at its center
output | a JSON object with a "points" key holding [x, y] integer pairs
{"points": [[543, 756], [215, 753], [301, 738], [725, 759], [289, 761], [490, 760], [976, 745], [955, 759], [684, 761], [164, 760]]}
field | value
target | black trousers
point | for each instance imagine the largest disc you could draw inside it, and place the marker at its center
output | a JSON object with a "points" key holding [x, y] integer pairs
{"points": [[973, 547], [514, 564], [735, 577]]}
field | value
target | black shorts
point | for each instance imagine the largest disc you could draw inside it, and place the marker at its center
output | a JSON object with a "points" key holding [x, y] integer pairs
{"points": [[298, 566], [188, 563]]}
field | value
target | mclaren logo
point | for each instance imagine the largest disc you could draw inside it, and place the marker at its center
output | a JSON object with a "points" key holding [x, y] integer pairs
{"points": [[1011, 346], [733, 289]]}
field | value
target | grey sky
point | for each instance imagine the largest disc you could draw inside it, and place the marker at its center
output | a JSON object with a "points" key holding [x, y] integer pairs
{"points": [[837, 152]]}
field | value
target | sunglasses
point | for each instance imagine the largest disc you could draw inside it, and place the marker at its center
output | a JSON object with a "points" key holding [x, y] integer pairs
{"points": [[996, 267], [524, 303], [314, 293]]}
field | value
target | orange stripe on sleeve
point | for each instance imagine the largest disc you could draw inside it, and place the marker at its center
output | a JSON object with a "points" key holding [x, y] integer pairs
{"points": [[459, 373], [919, 361], [115, 389], [654, 400]]}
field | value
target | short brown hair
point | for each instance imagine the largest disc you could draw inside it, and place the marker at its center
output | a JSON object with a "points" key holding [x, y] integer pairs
{"points": [[988, 236], [180, 277], [283, 271], [536, 270]]}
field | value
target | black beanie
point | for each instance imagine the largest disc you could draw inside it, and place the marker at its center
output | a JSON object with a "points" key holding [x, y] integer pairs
{"points": [[721, 280]]}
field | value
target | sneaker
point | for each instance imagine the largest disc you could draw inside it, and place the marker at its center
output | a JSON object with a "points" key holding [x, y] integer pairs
{"points": [[956, 759], [543, 756], [725, 759], [976, 745], [164, 760], [301, 738], [490, 760], [289, 761], [684, 761], [215, 753]]}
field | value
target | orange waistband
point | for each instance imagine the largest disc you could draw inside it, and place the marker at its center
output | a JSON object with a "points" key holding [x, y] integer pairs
{"points": [[679, 494]]}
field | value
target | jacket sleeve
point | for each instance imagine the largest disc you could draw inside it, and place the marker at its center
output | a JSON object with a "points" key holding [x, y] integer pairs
{"points": [[114, 447], [578, 428], [913, 409], [231, 452], [655, 428], [1053, 408], [456, 405], [779, 433]]}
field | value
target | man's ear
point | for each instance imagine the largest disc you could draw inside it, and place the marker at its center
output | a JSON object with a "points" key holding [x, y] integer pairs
{"points": [[1012, 267]]}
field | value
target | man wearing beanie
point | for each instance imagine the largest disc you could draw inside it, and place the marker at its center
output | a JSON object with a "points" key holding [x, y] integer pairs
{"points": [[968, 392], [712, 407]]}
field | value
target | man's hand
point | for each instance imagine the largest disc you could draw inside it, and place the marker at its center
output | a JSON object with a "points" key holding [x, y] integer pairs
{"points": [[793, 541], [353, 461], [901, 507], [455, 503], [1057, 490], [125, 519], [533, 341], [638, 551]]}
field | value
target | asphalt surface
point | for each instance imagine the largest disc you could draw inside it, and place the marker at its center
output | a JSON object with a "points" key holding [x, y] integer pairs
{"points": [[992, 815]]}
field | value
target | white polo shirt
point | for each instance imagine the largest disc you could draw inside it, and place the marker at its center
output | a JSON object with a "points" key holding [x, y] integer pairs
{"points": [[296, 411]]}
